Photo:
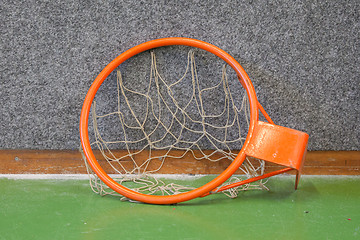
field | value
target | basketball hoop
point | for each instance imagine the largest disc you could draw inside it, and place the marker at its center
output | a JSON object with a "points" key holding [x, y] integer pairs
{"points": [[265, 141]]}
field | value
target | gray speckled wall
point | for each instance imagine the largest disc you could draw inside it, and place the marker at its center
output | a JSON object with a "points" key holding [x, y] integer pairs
{"points": [[303, 58]]}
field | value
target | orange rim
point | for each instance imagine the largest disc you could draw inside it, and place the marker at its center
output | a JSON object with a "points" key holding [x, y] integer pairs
{"points": [[153, 199]]}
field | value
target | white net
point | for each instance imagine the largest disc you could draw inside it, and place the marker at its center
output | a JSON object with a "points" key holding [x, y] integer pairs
{"points": [[172, 127]]}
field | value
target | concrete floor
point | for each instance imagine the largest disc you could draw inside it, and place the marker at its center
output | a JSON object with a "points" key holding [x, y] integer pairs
{"points": [[322, 208]]}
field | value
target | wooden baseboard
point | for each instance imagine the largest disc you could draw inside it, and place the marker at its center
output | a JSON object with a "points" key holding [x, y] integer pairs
{"points": [[70, 162]]}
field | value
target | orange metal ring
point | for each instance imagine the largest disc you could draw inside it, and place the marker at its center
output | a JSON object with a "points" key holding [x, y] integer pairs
{"points": [[245, 81]]}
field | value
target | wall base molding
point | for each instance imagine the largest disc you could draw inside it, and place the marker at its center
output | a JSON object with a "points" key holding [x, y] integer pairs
{"points": [[70, 162]]}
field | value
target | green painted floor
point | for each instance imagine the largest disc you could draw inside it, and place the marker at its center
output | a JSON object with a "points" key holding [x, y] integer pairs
{"points": [[322, 208]]}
